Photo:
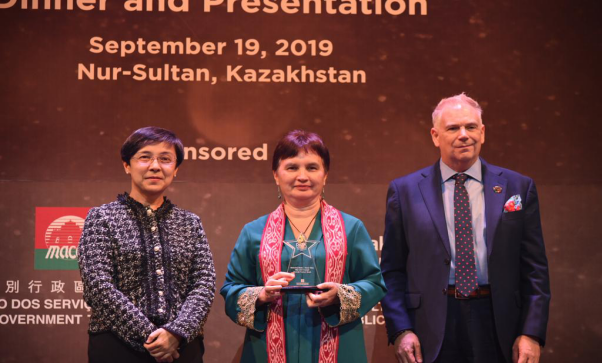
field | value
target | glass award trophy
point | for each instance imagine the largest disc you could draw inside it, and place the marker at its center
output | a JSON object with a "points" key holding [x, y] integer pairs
{"points": [[303, 264]]}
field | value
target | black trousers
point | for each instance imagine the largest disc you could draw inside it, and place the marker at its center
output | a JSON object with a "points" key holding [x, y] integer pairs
{"points": [[107, 348], [470, 335]]}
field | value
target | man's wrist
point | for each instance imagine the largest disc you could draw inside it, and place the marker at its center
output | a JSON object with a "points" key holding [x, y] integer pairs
{"points": [[394, 338], [533, 337]]}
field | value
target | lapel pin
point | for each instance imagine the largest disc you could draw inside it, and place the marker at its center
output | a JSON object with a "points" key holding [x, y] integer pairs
{"points": [[497, 189]]}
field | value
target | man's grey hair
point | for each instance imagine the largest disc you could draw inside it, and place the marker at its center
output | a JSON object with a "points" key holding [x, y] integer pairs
{"points": [[462, 98]]}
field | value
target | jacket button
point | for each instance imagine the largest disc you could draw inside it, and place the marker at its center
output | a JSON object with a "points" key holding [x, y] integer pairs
{"points": [[446, 261]]}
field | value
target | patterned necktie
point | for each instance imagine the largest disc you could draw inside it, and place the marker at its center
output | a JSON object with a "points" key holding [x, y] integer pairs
{"points": [[466, 271]]}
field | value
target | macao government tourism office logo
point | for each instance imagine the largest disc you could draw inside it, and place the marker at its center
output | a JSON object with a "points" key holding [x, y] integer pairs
{"points": [[57, 235]]}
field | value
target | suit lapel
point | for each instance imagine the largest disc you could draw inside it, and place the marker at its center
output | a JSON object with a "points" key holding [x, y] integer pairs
{"points": [[494, 202], [430, 187]]}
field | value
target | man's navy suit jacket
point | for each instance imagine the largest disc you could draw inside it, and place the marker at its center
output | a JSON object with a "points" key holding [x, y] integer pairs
{"points": [[416, 258]]}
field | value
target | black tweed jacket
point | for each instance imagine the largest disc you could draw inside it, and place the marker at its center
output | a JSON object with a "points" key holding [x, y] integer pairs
{"points": [[145, 269]]}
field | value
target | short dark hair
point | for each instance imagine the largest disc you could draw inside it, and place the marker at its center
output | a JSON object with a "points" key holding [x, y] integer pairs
{"points": [[151, 135], [297, 140]]}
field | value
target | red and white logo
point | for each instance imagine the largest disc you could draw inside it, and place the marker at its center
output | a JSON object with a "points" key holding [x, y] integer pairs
{"points": [[62, 236], [57, 235]]}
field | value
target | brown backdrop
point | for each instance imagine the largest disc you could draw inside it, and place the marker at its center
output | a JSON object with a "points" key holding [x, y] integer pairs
{"points": [[534, 66]]}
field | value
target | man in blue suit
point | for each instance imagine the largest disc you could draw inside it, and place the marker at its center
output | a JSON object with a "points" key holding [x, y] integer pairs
{"points": [[463, 257]]}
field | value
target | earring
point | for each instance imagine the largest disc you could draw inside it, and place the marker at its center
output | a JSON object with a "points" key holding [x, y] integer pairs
{"points": [[323, 192], [279, 193]]}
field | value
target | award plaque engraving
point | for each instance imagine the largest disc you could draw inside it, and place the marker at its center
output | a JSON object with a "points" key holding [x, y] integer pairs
{"points": [[303, 264]]}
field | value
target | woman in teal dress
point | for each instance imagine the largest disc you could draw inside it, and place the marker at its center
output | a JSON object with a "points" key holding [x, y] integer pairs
{"points": [[311, 327]]}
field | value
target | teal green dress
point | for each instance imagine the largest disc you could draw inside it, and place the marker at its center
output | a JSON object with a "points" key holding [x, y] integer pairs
{"points": [[302, 324]]}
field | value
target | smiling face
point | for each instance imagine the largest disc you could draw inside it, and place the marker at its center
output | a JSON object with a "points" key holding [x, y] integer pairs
{"points": [[459, 134], [152, 169], [301, 178]]}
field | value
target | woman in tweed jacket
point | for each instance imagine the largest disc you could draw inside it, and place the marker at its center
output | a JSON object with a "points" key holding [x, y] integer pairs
{"points": [[146, 266]]}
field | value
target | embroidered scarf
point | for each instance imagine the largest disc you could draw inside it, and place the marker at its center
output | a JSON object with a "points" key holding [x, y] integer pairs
{"points": [[270, 253]]}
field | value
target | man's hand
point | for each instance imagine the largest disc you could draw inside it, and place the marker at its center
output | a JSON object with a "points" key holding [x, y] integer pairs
{"points": [[525, 350], [325, 298], [163, 345], [408, 348]]}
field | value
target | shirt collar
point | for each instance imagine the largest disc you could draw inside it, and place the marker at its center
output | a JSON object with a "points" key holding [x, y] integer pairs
{"points": [[475, 171]]}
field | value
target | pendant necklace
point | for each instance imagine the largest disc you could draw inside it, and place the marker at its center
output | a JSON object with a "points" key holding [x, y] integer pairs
{"points": [[302, 239]]}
